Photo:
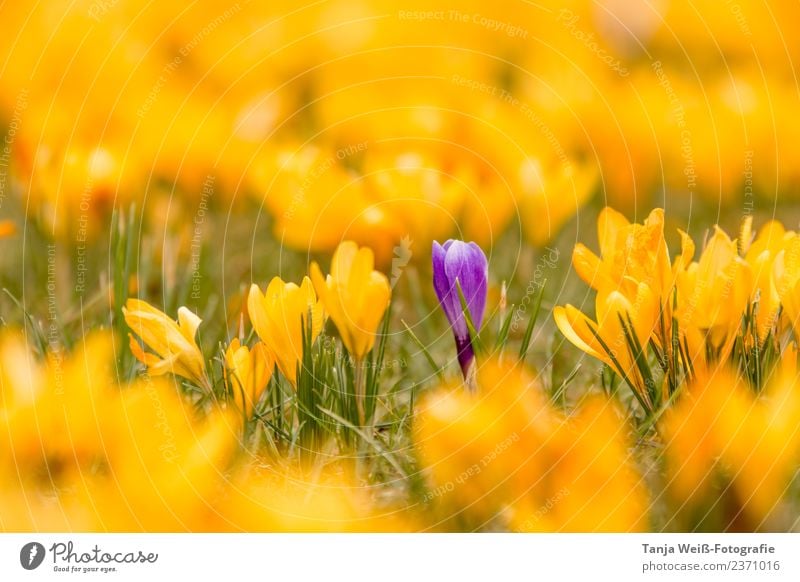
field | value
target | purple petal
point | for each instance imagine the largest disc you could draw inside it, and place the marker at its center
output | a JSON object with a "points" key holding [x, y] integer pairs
{"points": [[466, 263], [445, 290], [440, 284]]}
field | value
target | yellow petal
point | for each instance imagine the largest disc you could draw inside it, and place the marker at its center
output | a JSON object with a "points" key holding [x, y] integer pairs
{"points": [[745, 234], [687, 252], [189, 322], [609, 223], [319, 281], [309, 302], [145, 358], [257, 312], [576, 328], [589, 267], [343, 258], [376, 300]]}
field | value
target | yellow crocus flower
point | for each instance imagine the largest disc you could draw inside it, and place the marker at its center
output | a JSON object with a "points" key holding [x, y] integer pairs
{"points": [[611, 305], [174, 344], [629, 253], [247, 372], [761, 255], [786, 280], [355, 296], [279, 316], [713, 294]]}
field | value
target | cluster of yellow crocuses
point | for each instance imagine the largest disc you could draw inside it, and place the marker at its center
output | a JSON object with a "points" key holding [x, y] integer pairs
{"points": [[734, 304], [709, 347], [354, 296]]}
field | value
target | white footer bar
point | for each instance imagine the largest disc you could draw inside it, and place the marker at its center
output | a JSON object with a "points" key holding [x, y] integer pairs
{"points": [[400, 557]]}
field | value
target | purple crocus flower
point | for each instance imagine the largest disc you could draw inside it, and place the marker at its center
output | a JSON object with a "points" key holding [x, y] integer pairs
{"points": [[463, 262]]}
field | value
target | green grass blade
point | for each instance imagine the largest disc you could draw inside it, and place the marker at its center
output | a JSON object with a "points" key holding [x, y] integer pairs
{"points": [[437, 370], [474, 334], [526, 339], [502, 336]]}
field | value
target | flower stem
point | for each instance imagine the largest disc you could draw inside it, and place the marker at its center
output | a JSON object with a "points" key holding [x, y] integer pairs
{"points": [[359, 391]]}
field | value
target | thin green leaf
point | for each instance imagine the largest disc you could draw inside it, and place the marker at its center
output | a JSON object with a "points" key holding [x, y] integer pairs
{"points": [[437, 370], [502, 334], [526, 340], [474, 334]]}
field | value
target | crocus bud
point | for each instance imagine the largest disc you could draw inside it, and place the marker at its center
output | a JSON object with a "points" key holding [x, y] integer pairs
{"points": [[459, 263]]}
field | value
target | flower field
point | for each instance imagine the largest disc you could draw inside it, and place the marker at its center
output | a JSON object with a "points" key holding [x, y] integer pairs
{"points": [[348, 266]]}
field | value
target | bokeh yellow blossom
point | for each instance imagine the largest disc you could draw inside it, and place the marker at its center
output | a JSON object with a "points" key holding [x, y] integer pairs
{"points": [[262, 499], [506, 457], [730, 454], [7, 228]]}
